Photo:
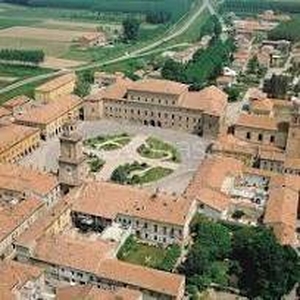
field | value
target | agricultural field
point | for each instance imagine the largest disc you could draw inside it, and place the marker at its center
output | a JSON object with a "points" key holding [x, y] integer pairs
{"points": [[174, 7], [257, 6]]}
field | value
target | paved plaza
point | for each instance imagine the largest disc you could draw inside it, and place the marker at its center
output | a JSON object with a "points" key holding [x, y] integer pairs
{"points": [[191, 148]]}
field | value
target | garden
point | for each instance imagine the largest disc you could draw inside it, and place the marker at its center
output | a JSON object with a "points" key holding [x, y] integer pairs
{"points": [[95, 163], [154, 148], [136, 252], [138, 173], [108, 142]]}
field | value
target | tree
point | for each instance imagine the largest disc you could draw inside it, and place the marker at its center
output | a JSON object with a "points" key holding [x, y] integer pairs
{"points": [[277, 86], [82, 88], [131, 29], [269, 270]]}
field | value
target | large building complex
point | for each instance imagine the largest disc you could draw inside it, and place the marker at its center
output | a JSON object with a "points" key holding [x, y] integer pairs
{"points": [[161, 103]]}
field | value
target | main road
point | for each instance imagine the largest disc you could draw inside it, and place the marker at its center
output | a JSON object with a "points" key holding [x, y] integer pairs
{"points": [[177, 30]]}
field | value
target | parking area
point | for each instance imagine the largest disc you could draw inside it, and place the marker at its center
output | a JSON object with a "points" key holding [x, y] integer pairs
{"points": [[191, 148]]}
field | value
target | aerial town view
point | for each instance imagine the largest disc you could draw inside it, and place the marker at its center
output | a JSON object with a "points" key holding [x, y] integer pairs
{"points": [[149, 149]]}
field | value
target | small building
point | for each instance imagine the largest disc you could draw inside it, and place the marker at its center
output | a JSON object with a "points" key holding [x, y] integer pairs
{"points": [[93, 39], [17, 104]]}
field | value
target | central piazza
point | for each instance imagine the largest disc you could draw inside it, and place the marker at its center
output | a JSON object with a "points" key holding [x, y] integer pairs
{"points": [[165, 159]]}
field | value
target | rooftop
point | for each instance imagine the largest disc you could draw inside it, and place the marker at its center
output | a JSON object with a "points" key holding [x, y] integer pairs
{"points": [[56, 83], [12, 216], [46, 113], [117, 199], [14, 275], [211, 100], [16, 102], [282, 207], [94, 257], [158, 86], [11, 134], [256, 121], [15, 177]]}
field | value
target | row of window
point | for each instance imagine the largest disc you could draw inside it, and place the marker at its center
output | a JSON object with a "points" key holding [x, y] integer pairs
{"points": [[153, 100], [260, 137], [151, 113]]}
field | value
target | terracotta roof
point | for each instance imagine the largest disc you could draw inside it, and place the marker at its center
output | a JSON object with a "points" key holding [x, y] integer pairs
{"points": [[23, 179], [56, 83], [145, 278], [46, 113], [16, 102], [91, 36], [117, 199], [79, 254], [13, 215], [94, 293], [42, 225], [214, 199], [4, 112], [13, 134], [212, 100], [14, 275], [118, 89], [282, 207], [282, 102], [210, 176], [159, 86], [256, 94], [265, 105], [256, 121], [96, 257]]}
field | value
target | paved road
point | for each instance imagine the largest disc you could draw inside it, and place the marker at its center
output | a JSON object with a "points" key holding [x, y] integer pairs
{"points": [[171, 34]]}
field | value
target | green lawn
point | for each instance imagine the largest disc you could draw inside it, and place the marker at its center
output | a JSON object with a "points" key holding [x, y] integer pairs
{"points": [[157, 149], [135, 252], [95, 163], [154, 174], [21, 72], [138, 173], [27, 90], [108, 142]]}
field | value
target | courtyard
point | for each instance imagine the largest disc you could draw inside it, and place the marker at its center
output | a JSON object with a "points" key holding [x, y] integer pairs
{"points": [[178, 153]]}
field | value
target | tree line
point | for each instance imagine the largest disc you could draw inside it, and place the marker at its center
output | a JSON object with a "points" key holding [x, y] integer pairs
{"points": [[23, 56], [205, 66]]}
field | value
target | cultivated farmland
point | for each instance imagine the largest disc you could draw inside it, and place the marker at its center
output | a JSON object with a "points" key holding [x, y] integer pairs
{"points": [[35, 33]]}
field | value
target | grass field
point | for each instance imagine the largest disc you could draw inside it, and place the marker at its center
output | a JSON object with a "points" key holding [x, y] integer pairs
{"points": [[27, 90], [174, 7]]}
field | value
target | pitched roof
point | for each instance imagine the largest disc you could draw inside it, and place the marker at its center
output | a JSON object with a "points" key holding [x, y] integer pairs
{"points": [[23, 179], [282, 207], [145, 278], [158, 86], [265, 105], [14, 275], [16, 102], [13, 215], [96, 257], [4, 112], [207, 184], [117, 199], [56, 83], [46, 113], [12, 134], [212, 100], [256, 121]]}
